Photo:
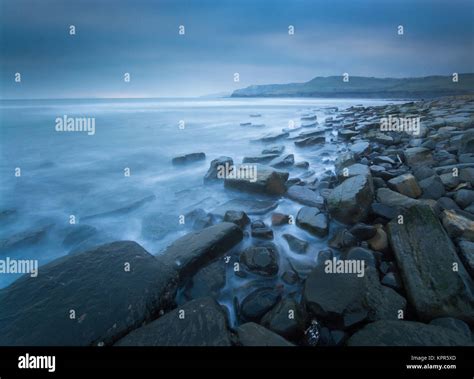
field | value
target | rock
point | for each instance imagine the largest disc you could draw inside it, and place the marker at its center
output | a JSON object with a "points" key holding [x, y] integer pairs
{"points": [[466, 254], [418, 156], [361, 254], [350, 201], [425, 257], [449, 181], [405, 184], [279, 219], [447, 203], [343, 300], [207, 282], [305, 196], [342, 239], [272, 137], [267, 181], [274, 150], [284, 161], [251, 334], [383, 159], [360, 148], [392, 280], [199, 219], [287, 319], [261, 260], [347, 134], [25, 238], [432, 187], [405, 333], [384, 211], [464, 197], [238, 218], [383, 139], [313, 221], [423, 172], [188, 158], [78, 233], [264, 158], [216, 166], [467, 175], [395, 200], [353, 170], [379, 242], [122, 300], [194, 250], [458, 226], [295, 244], [363, 231], [453, 324], [310, 141], [260, 230], [204, 324], [467, 143], [122, 210], [257, 303], [303, 164], [250, 207]]}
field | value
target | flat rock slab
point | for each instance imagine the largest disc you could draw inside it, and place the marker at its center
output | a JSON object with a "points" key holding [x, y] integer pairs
{"points": [[200, 322], [425, 256], [305, 196], [250, 207], [108, 300], [265, 180], [252, 334], [406, 333], [194, 250]]}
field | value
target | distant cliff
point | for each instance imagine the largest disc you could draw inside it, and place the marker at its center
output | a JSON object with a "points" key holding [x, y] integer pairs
{"points": [[364, 87]]}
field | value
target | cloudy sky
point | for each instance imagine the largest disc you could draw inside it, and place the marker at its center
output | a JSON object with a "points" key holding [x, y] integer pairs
{"points": [[222, 37]]}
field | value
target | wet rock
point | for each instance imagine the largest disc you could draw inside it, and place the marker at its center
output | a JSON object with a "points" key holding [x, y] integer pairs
{"points": [[425, 257], [238, 218], [458, 226], [417, 156], [24, 239], [383, 139], [272, 137], [360, 148], [279, 219], [194, 250], [313, 221], [268, 181], [188, 158], [310, 141], [362, 254], [405, 184], [353, 170], [423, 172], [303, 164], [264, 158], [295, 244], [392, 280], [290, 277], [274, 150], [467, 175], [449, 181], [447, 203], [249, 206], [261, 260], [204, 324], [384, 211], [379, 242], [467, 143], [342, 300], [287, 319], [252, 334], [464, 197], [207, 282], [122, 299], [199, 219], [432, 187], [257, 303], [284, 161], [394, 199], [217, 165], [260, 230], [363, 231], [405, 333], [466, 253], [350, 201], [453, 324], [342, 239], [305, 196]]}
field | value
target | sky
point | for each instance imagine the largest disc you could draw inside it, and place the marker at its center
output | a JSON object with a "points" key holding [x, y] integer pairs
{"points": [[222, 37]]}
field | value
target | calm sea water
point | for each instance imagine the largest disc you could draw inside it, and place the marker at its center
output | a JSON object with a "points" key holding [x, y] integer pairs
{"points": [[64, 173]]}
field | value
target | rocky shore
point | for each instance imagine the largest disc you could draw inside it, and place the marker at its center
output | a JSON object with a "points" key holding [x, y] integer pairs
{"points": [[396, 214]]}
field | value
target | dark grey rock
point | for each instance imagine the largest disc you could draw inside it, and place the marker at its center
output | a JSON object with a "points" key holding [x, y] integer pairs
{"points": [[24, 239], [362, 254], [249, 206], [261, 260], [466, 253], [295, 244], [216, 166], [454, 324], [207, 282], [264, 158], [283, 161], [188, 158], [392, 280], [342, 239], [200, 322], [257, 303], [305, 196], [417, 156], [287, 319], [238, 218], [267, 181], [251, 334], [363, 231], [313, 221], [274, 150], [432, 187], [464, 197]]}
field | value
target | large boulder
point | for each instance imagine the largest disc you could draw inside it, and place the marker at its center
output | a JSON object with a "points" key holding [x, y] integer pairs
{"points": [[426, 257], [350, 201], [266, 180], [200, 322], [194, 250], [406, 333], [345, 299], [305, 196], [109, 290]]}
